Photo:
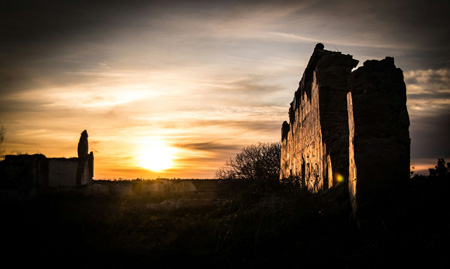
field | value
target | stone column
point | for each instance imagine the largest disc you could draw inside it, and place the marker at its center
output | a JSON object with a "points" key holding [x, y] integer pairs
{"points": [[379, 143], [91, 166], [82, 157]]}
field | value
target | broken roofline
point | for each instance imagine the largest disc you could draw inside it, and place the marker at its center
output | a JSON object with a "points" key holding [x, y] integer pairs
{"points": [[315, 142]]}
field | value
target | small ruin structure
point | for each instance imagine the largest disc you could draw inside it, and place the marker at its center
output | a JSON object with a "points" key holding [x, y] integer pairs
{"points": [[22, 176], [347, 127]]}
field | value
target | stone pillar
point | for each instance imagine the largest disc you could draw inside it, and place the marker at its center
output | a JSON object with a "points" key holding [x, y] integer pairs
{"points": [[91, 165], [82, 157], [379, 143]]}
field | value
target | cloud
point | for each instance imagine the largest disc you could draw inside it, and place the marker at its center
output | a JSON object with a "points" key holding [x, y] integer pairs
{"points": [[428, 92], [213, 146], [206, 77], [429, 108], [339, 42]]}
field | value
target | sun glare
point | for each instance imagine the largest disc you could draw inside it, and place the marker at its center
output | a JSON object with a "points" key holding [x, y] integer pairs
{"points": [[156, 156]]}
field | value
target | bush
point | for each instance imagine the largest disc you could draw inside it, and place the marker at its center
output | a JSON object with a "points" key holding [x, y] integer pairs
{"points": [[255, 162], [441, 169]]}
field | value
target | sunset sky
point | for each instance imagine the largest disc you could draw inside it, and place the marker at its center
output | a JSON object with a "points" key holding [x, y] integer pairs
{"points": [[201, 79]]}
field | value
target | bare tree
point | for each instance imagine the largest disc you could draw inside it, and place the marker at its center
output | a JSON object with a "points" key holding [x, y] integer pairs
{"points": [[255, 162]]}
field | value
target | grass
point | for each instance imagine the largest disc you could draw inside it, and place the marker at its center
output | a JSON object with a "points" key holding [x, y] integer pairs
{"points": [[259, 226]]}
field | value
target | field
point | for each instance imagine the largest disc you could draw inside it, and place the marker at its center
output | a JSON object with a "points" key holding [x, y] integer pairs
{"points": [[256, 225]]}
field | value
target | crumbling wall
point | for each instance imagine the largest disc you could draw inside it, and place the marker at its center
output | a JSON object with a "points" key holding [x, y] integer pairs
{"points": [[73, 171], [379, 143], [345, 125], [62, 172], [25, 174], [22, 175], [315, 141]]}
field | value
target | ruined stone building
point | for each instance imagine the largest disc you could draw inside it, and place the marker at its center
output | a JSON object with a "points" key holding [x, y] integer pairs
{"points": [[347, 126], [24, 175], [315, 142]]}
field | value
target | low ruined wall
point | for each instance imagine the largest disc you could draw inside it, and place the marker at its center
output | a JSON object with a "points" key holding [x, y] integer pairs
{"points": [[62, 172], [28, 173], [22, 175]]}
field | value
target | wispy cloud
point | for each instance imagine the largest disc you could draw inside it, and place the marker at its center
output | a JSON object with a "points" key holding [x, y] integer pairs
{"points": [[429, 109], [207, 78], [428, 92], [293, 37]]}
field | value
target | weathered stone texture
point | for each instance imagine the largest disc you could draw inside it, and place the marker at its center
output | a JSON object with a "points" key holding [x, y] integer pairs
{"points": [[348, 126], [63, 172], [22, 175], [315, 141], [379, 136]]}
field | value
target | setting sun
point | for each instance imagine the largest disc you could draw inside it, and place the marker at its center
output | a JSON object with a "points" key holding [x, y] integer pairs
{"points": [[156, 156]]}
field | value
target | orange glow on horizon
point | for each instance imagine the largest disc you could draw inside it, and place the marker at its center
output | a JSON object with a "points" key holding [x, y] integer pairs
{"points": [[205, 88]]}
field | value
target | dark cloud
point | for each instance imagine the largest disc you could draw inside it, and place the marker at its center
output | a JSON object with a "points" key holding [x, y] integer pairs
{"points": [[429, 108], [58, 44], [406, 20], [244, 125], [429, 96], [415, 32], [50, 20], [212, 146], [411, 80], [45, 40], [39, 38], [13, 109], [202, 161], [429, 136]]}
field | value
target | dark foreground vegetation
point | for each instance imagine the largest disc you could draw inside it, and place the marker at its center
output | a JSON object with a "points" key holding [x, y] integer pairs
{"points": [[261, 225]]}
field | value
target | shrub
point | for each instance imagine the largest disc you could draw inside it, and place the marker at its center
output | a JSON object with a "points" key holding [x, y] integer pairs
{"points": [[255, 162]]}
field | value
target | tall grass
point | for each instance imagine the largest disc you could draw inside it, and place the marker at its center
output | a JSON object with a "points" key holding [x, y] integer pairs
{"points": [[260, 225]]}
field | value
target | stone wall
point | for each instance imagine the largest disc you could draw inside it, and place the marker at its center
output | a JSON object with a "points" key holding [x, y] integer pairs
{"points": [[379, 136], [315, 141], [62, 172], [22, 175], [348, 127]]}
